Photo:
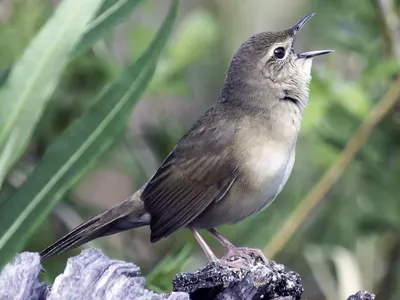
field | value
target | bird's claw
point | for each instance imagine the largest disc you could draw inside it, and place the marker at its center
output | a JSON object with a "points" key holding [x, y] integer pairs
{"points": [[235, 262], [249, 254]]}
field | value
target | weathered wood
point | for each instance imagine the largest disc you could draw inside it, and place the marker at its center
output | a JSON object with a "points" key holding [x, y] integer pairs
{"points": [[216, 281], [92, 275]]}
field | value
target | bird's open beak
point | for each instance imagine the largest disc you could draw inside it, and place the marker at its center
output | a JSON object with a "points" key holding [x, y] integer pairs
{"points": [[297, 28]]}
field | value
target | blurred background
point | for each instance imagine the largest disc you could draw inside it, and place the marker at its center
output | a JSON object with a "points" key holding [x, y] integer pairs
{"points": [[349, 241]]}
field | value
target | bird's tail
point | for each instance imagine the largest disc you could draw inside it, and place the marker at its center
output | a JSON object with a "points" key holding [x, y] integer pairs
{"points": [[126, 215]]}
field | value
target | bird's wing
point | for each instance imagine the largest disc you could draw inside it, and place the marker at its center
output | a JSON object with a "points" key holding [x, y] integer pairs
{"points": [[199, 171]]}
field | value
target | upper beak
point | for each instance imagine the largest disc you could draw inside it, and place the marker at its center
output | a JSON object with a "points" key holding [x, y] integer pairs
{"points": [[300, 24], [296, 29]]}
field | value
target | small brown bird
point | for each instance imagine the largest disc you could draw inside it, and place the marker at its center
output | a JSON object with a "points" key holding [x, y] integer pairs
{"points": [[233, 162]]}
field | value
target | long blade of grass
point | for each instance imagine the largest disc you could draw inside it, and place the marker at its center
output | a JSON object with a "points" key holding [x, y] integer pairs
{"points": [[4, 76], [34, 77], [78, 149], [112, 13]]}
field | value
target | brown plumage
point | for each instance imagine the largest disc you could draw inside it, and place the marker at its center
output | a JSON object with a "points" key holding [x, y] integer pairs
{"points": [[197, 173], [235, 159]]}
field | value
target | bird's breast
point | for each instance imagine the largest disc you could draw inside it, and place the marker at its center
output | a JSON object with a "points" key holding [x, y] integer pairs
{"points": [[263, 161], [263, 155]]}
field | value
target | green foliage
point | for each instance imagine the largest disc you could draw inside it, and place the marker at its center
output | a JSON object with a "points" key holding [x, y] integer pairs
{"points": [[4, 76], [35, 76], [160, 277], [26, 18], [194, 36], [111, 13], [77, 149]]}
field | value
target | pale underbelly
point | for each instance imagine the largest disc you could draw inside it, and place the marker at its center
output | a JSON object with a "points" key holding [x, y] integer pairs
{"points": [[242, 201]]}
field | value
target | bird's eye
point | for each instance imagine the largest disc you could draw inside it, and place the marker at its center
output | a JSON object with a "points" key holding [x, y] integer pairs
{"points": [[279, 52]]}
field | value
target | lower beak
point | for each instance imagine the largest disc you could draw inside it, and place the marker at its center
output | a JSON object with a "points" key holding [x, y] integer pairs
{"points": [[311, 54], [296, 29]]}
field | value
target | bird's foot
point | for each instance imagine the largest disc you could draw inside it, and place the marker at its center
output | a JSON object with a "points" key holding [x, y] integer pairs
{"points": [[246, 253], [236, 259], [235, 262]]}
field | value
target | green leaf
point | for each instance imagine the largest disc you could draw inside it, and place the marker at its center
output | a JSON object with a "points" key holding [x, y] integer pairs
{"points": [[355, 99], [112, 13], [195, 35], [78, 149], [34, 77], [4, 75], [159, 278]]}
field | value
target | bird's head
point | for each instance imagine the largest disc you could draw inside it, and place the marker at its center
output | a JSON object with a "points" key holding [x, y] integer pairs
{"points": [[267, 62]]}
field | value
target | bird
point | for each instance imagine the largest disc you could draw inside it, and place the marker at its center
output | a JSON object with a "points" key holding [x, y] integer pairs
{"points": [[232, 163]]}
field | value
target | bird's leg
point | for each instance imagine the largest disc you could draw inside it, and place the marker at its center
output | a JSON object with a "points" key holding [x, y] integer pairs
{"points": [[212, 257], [232, 249], [237, 251], [207, 250]]}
